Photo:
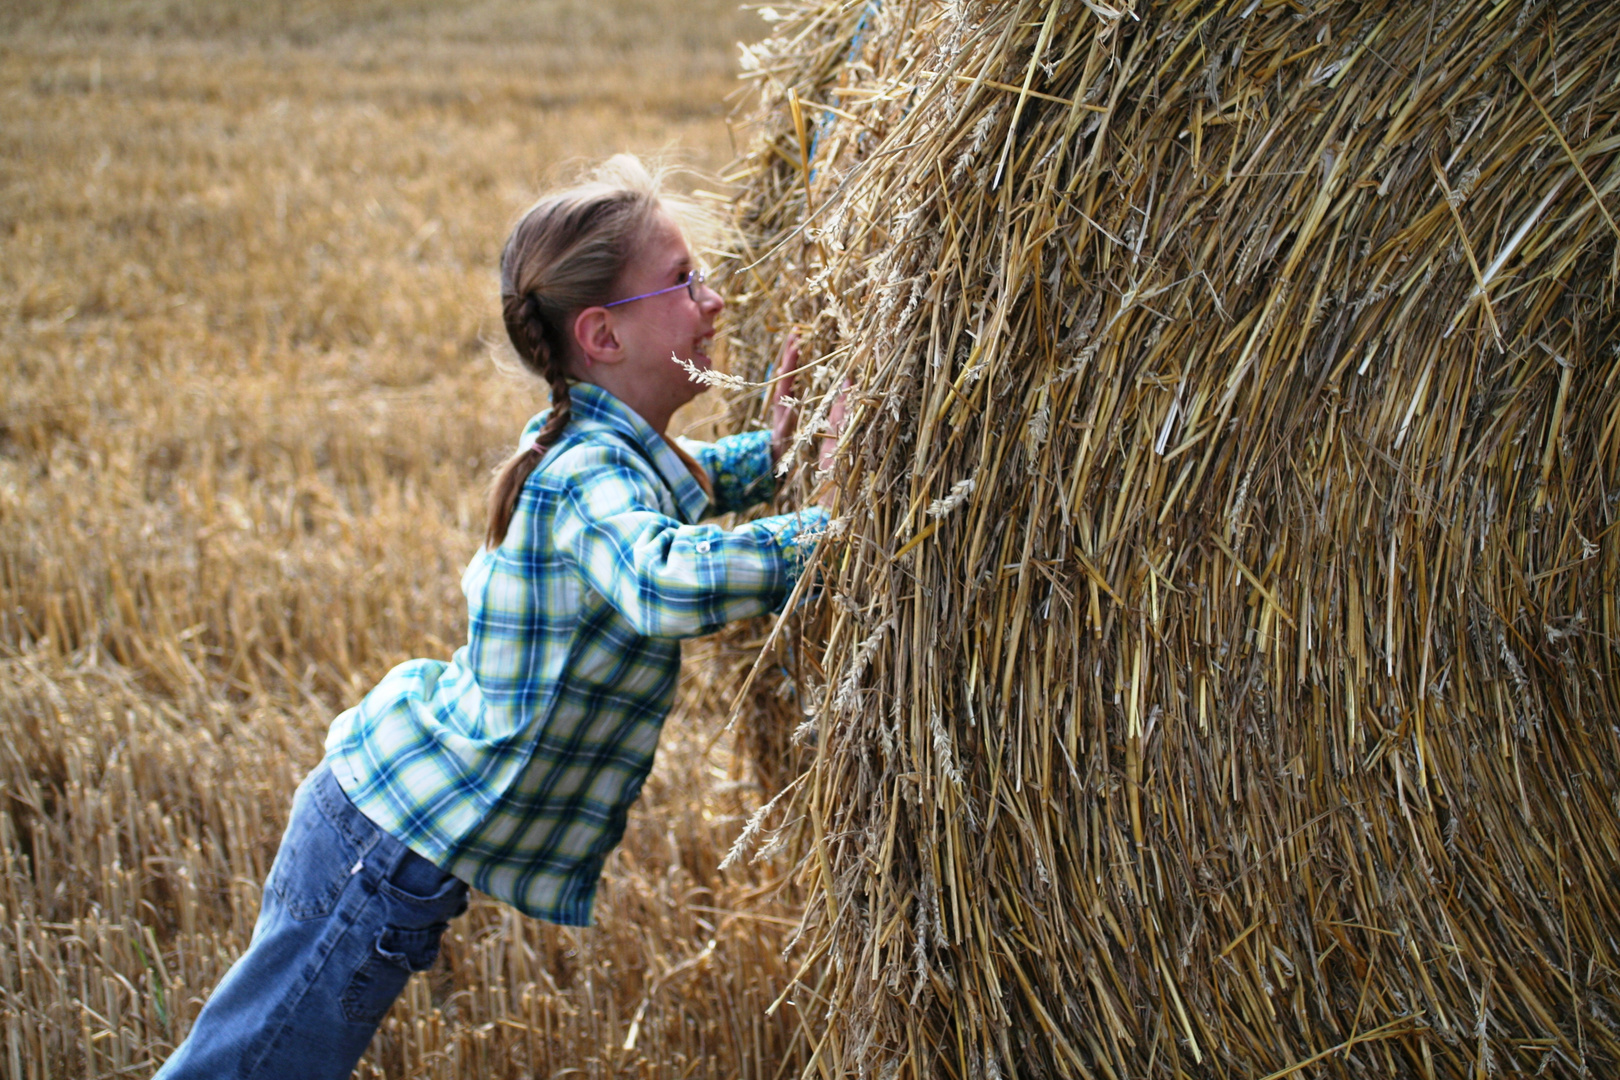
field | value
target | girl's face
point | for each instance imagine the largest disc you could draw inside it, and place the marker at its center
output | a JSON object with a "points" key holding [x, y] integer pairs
{"points": [[655, 329]]}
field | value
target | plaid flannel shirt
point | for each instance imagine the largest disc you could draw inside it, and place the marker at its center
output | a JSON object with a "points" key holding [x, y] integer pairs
{"points": [[514, 764]]}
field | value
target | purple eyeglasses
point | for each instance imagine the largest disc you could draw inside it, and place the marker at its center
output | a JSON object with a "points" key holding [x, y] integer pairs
{"points": [[690, 282]]}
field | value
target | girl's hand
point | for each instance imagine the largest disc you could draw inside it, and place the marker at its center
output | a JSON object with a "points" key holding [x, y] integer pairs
{"points": [[784, 418], [835, 426]]}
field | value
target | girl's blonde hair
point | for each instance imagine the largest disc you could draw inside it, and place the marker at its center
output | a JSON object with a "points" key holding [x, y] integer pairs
{"points": [[565, 255]]}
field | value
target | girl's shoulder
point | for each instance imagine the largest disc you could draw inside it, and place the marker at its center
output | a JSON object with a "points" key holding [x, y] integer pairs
{"points": [[590, 448]]}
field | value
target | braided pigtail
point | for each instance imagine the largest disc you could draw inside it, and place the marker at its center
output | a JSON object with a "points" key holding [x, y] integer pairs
{"points": [[526, 326]]}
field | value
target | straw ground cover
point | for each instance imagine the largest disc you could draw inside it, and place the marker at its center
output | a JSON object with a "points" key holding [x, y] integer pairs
{"points": [[1217, 674], [247, 412]]}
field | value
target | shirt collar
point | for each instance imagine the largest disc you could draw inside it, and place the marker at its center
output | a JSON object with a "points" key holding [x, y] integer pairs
{"points": [[593, 406]]}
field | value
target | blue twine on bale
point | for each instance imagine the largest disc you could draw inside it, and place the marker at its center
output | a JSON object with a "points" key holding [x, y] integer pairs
{"points": [[828, 118]]}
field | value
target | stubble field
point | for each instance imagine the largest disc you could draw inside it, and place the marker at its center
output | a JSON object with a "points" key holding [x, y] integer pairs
{"points": [[247, 312]]}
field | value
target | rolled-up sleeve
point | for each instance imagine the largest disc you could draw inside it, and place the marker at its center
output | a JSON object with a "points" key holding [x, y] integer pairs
{"points": [[664, 578]]}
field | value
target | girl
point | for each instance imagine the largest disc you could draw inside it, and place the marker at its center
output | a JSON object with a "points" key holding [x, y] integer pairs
{"points": [[511, 768]]}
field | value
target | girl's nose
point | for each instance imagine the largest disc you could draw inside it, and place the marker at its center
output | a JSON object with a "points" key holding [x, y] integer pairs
{"points": [[710, 301]]}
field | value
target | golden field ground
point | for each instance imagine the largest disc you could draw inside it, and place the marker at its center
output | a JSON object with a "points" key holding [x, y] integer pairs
{"points": [[247, 312]]}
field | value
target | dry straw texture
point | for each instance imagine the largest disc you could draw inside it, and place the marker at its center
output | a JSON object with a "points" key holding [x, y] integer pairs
{"points": [[246, 416], [1219, 653]]}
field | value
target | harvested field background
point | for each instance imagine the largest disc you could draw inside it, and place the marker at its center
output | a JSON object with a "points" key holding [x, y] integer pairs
{"points": [[247, 412]]}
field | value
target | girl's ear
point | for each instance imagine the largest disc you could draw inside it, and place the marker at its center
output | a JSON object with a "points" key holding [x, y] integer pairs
{"points": [[594, 334]]}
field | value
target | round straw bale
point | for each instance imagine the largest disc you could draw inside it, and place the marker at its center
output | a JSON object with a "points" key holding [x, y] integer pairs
{"points": [[1217, 639]]}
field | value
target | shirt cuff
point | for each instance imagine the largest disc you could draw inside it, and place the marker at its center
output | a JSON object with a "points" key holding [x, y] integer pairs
{"points": [[797, 537]]}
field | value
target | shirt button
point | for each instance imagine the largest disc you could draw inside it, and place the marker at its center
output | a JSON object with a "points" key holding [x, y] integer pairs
{"points": [[703, 547]]}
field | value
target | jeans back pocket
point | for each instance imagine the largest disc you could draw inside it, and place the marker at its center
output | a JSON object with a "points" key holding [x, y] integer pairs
{"points": [[382, 975]]}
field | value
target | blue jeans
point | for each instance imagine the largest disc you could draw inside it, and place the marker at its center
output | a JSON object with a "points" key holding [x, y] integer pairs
{"points": [[348, 913]]}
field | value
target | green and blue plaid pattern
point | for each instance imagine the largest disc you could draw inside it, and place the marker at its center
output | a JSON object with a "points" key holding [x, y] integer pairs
{"points": [[514, 765]]}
